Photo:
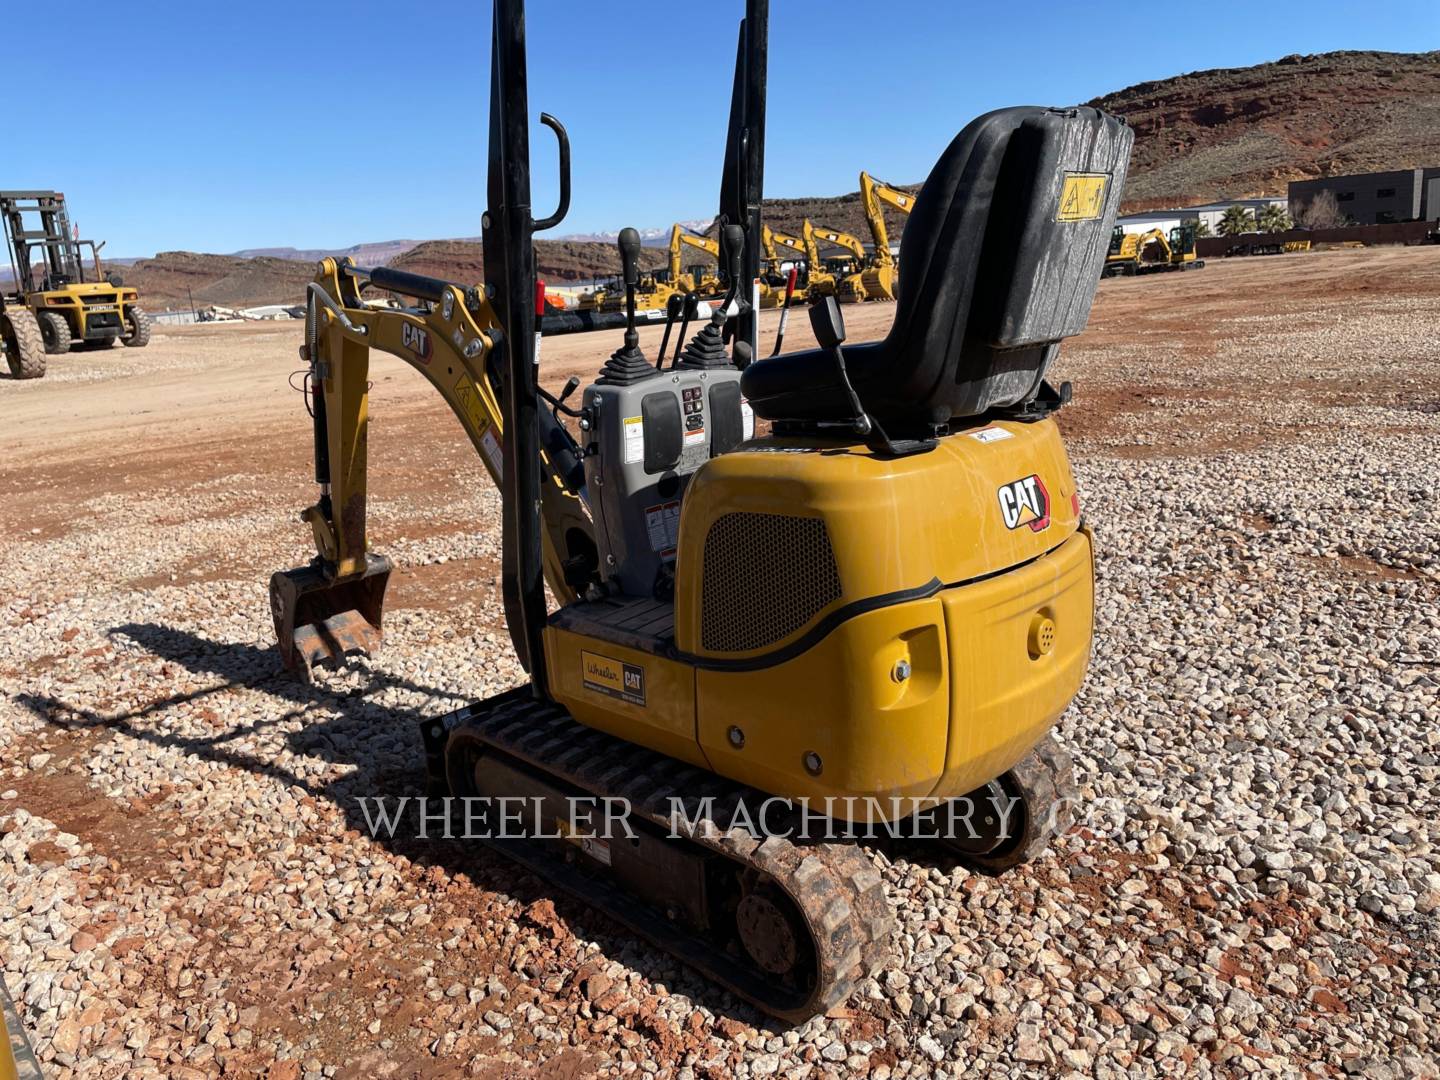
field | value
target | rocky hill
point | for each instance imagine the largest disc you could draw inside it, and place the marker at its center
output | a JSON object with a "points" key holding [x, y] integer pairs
{"points": [[172, 278], [1233, 132], [558, 261]]}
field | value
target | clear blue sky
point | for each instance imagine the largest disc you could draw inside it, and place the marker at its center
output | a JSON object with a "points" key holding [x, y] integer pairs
{"points": [[215, 127]]}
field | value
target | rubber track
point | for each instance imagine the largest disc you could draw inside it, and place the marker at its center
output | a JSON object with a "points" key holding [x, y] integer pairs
{"points": [[833, 884]]}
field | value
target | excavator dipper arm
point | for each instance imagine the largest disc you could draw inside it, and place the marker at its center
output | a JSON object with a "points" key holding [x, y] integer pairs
{"points": [[334, 605]]}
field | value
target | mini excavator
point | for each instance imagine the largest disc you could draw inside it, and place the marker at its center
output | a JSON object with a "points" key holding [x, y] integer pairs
{"points": [[885, 601]]}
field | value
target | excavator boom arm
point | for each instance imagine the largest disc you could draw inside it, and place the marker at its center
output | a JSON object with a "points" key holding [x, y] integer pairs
{"points": [[841, 239], [794, 243], [875, 195]]}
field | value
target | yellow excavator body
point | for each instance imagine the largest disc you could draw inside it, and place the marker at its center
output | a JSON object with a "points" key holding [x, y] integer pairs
{"points": [[989, 663]]}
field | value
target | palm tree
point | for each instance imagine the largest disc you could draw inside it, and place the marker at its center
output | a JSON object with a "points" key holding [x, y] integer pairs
{"points": [[1273, 218], [1236, 220], [1202, 227]]}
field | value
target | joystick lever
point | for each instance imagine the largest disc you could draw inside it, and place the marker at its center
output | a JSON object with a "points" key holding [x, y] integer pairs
{"points": [[629, 244]]}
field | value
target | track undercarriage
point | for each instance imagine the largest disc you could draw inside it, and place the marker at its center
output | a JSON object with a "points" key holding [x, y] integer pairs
{"points": [[702, 867]]}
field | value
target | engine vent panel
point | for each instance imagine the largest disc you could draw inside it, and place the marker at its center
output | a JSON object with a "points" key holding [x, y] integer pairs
{"points": [[764, 577]]}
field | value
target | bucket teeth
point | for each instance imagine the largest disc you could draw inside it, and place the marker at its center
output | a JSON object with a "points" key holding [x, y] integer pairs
{"points": [[320, 620]]}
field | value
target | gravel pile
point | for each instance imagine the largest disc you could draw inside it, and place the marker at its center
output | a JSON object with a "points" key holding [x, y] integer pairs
{"points": [[1254, 888]]}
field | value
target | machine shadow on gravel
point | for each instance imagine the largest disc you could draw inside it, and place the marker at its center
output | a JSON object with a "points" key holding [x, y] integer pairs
{"points": [[384, 744]]}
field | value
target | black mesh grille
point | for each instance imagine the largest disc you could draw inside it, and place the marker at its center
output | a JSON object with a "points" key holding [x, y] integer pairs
{"points": [[764, 577]]}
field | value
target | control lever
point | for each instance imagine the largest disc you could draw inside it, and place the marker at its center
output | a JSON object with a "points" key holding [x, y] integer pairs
{"points": [[692, 308], [630, 271], [785, 311], [672, 308], [627, 364], [558, 403], [829, 327], [732, 250]]}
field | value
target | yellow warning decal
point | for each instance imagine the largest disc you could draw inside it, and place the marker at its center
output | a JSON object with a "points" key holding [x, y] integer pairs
{"points": [[468, 395], [614, 678], [1083, 196]]}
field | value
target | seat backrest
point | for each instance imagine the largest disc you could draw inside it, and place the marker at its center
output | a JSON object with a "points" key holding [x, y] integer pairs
{"points": [[1000, 260]]}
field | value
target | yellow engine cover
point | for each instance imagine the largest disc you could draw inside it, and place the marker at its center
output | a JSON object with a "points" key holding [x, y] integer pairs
{"points": [[853, 627]]}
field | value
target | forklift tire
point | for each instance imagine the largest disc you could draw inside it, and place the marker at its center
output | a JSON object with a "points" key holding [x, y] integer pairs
{"points": [[24, 348], [54, 331], [1044, 782], [137, 328]]}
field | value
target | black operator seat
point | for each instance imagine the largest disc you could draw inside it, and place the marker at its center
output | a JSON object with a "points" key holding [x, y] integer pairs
{"points": [[1000, 260]]}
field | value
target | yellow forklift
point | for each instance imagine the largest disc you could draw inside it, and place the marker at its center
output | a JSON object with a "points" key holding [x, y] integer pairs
{"points": [[73, 305], [755, 650]]}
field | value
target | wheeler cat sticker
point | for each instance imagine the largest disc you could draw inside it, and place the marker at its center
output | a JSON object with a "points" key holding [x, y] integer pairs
{"points": [[613, 678], [1025, 502]]}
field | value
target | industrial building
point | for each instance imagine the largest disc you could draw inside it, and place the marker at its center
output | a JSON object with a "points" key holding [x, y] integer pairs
{"points": [[1209, 213], [1378, 198]]}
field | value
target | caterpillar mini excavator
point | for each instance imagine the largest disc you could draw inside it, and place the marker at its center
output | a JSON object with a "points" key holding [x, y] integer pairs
{"points": [[878, 610]]}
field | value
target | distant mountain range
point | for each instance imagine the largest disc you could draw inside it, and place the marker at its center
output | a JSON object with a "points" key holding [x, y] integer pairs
{"points": [[373, 254]]}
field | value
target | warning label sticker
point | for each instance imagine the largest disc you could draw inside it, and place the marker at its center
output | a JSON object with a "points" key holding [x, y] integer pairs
{"points": [[614, 678], [991, 434], [493, 453], [634, 439], [469, 397], [1083, 197], [662, 524], [694, 438]]}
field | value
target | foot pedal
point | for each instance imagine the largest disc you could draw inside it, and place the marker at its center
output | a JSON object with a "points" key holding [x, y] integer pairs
{"points": [[319, 620]]}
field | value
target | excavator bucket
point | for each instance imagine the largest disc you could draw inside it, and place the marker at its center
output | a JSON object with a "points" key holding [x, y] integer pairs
{"points": [[321, 620]]}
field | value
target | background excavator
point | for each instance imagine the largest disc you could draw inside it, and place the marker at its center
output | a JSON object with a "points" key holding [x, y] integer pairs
{"points": [[826, 274], [1151, 251], [1126, 250], [655, 289], [878, 281], [774, 283], [697, 278], [869, 617]]}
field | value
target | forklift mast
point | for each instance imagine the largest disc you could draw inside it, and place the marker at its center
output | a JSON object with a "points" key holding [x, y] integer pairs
{"points": [[55, 238]]}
